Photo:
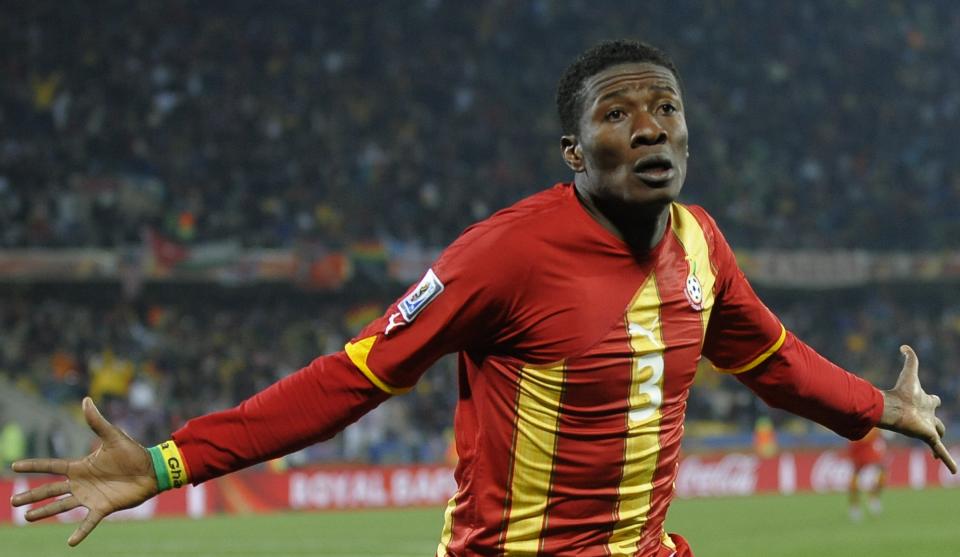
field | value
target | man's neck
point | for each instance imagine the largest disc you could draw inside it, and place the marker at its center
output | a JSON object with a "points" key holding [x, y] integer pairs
{"points": [[640, 227]]}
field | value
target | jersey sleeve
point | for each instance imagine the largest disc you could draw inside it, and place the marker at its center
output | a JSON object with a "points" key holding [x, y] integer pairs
{"points": [[306, 407], [742, 331], [745, 338], [461, 303], [802, 382]]}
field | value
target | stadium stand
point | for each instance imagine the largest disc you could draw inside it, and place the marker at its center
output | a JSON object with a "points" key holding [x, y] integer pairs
{"points": [[300, 124], [272, 123]]}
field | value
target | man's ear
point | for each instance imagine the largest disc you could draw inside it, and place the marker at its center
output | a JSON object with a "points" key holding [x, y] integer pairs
{"points": [[572, 152]]}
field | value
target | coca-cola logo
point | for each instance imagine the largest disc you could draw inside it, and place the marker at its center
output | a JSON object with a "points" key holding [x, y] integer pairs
{"points": [[734, 474], [831, 472]]}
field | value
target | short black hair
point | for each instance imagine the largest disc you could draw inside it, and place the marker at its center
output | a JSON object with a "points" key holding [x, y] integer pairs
{"points": [[595, 60]]}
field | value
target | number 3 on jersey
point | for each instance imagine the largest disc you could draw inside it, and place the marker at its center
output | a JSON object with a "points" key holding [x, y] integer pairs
{"points": [[646, 392]]}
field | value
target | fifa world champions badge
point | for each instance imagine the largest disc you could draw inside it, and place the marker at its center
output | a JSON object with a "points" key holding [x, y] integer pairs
{"points": [[693, 289]]}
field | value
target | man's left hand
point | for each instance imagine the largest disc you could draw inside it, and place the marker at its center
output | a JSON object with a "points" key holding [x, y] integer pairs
{"points": [[907, 409]]}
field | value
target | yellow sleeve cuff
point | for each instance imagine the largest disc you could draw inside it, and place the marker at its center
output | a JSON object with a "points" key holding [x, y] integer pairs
{"points": [[358, 352], [759, 359]]}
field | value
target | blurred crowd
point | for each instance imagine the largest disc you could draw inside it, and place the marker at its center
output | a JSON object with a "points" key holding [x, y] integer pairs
{"points": [[813, 123], [154, 365]]}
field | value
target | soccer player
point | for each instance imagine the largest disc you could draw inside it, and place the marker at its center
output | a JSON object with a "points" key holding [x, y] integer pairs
{"points": [[579, 315], [868, 456]]}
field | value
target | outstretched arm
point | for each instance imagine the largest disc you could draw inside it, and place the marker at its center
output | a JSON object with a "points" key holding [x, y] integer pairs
{"points": [[305, 407], [799, 380], [118, 475], [908, 410], [745, 338]]}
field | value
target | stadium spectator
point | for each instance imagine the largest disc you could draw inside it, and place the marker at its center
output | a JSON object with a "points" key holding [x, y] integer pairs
{"points": [[568, 433]]}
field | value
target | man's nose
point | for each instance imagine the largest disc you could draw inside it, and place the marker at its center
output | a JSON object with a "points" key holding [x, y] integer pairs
{"points": [[647, 131]]}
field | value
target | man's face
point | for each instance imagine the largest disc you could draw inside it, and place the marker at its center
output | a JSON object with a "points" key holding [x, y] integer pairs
{"points": [[632, 145]]}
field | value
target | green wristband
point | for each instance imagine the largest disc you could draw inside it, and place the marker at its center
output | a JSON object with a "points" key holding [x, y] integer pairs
{"points": [[159, 468]]}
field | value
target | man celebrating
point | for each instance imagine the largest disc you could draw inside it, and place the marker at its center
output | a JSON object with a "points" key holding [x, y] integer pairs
{"points": [[579, 315]]}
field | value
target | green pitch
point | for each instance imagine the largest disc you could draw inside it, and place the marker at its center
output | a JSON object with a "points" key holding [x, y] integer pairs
{"points": [[913, 523]]}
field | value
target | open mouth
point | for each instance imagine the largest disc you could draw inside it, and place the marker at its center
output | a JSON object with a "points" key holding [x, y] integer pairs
{"points": [[654, 169]]}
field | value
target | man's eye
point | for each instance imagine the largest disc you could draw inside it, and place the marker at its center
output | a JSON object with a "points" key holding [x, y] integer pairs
{"points": [[668, 108], [615, 115]]}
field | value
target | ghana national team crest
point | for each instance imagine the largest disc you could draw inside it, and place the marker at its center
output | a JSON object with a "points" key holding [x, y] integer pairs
{"points": [[693, 289]]}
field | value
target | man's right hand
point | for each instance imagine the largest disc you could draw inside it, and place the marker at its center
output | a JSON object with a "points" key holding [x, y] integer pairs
{"points": [[118, 475]]}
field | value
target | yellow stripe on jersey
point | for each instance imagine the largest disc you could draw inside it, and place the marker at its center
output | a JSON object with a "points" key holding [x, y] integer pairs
{"points": [[690, 234], [643, 420], [358, 352], [759, 359], [447, 526], [667, 541], [538, 417]]}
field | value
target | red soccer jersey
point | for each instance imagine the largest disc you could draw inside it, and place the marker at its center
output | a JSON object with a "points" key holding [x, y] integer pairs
{"points": [[576, 357]]}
